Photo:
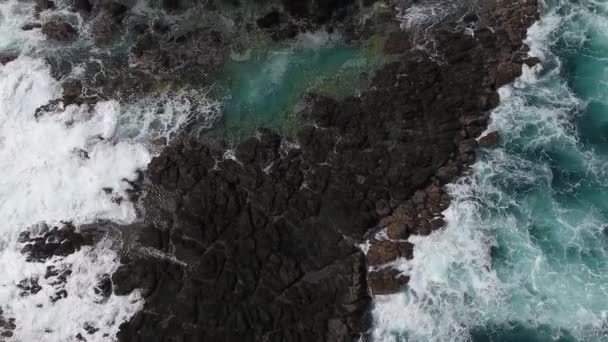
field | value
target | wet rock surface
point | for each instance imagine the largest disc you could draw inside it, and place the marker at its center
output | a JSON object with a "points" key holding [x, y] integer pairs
{"points": [[7, 325], [489, 140], [386, 281], [7, 58], [59, 31], [44, 242], [493, 56], [236, 235], [259, 243]]}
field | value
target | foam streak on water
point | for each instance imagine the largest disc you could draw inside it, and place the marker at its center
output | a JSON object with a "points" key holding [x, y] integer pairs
{"points": [[524, 255]]}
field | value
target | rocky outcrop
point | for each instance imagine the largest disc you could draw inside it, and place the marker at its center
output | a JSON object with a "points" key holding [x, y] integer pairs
{"points": [[386, 281], [43, 242], [496, 56], [489, 140], [258, 243], [7, 58], [31, 26], [236, 240], [7, 326]]}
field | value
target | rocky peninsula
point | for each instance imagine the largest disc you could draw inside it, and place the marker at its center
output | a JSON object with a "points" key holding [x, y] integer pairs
{"points": [[288, 237]]}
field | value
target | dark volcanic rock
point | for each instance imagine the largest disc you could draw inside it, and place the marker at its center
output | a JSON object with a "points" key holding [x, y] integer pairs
{"points": [[52, 106], [7, 58], [43, 5], [186, 55], [386, 281], [44, 242], [506, 72], [7, 325], [490, 139], [71, 90], [29, 286], [82, 6], [382, 252], [397, 42], [59, 31], [318, 10], [31, 26], [262, 246], [104, 30], [491, 53], [271, 19], [246, 237]]}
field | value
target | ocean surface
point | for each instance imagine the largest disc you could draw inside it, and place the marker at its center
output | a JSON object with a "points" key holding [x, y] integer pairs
{"points": [[524, 256]]}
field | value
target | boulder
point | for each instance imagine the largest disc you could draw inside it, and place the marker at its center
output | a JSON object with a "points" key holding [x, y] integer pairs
{"points": [[31, 26], [386, 281], [52, 106], [72, 88], [84, 7], [272, 19], [467, 146], [43, 5], [43, 242], [385, 251], [506, 73], [59, 31], [489, 140], [532, 61], [7, 58]]}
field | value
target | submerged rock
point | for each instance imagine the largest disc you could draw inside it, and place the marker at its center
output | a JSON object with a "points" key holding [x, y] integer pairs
{"points": [[43, 5], [31, 26], [52, 106], [7, 58], [7, 325], [71, 89], [59, 31], [29, 286], [44, 242], [385, 251]]}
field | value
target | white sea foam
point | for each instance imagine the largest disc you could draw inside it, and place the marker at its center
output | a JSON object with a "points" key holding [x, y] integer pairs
{"points": [[42, 179], [54, 169], [164, 114]]}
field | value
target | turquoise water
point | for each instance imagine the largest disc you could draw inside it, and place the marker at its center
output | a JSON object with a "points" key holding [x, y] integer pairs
{"points": [[525, 254], [265, 85]]}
